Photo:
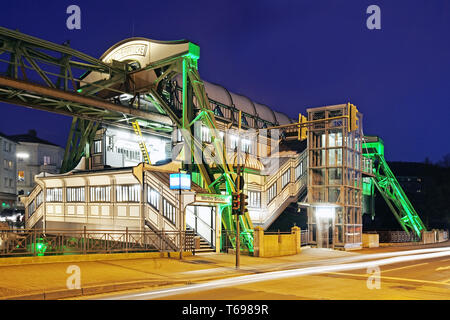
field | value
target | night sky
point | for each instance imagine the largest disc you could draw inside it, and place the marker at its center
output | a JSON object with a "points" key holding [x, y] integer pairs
{"points": [[290, 55]]}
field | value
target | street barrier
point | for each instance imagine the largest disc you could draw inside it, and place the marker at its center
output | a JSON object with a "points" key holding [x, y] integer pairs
{"points": [[275, 244]]}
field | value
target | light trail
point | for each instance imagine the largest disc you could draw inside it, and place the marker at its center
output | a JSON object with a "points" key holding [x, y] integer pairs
{"points": [[274, 275], [285, 266]]}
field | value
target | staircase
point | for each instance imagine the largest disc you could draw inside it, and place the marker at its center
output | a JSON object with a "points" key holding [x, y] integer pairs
{"points": [[168, 243], [141, 142], [205, 246]]}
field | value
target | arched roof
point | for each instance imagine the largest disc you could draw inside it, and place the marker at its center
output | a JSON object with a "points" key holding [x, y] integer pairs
{"points": [[220, 94], [243, 103], [265, 112], [282, 118]]}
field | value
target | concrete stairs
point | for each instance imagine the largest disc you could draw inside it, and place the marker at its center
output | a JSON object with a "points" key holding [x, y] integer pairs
{"points": [[205, 246]]}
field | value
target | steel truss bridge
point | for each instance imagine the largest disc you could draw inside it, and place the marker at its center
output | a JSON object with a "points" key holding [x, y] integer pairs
{"points": [[42, 75]]}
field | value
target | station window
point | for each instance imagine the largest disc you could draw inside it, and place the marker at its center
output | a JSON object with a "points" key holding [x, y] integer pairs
{"points": [[46, 160], [153, 197], [233, 141], [75, 194], [272, 192], [31, 208], [254, 199], [286, 178], [246, 145], [100, 194], [218, 112], [128, 193], [54, 195], [168, 211], [97, 146], [206, 135], [39, 199], [298, 170]]}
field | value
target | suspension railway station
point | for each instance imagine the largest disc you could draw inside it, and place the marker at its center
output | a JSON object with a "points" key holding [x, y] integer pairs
{"points": [[141, 113]]}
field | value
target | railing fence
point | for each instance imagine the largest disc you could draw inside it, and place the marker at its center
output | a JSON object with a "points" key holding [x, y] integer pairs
{"points": [[33, 242]]}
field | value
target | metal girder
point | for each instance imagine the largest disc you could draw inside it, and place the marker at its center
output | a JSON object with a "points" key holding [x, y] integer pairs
{"points": [[66, 93], [38, 86], [395, 197], [80, 137]]}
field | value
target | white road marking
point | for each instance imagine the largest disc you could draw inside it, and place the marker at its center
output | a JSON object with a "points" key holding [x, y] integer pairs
{"points": [[240, 280], [410, 266], [443, 268]]}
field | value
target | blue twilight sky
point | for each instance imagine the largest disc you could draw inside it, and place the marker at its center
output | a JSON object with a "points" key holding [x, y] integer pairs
{"points": [[290, 55]]}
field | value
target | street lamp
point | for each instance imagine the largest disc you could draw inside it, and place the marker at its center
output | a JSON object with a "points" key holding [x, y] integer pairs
{"points": [[180, 181]]}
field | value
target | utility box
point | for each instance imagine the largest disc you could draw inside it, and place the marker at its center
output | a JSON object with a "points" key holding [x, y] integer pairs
{"points": [[197, 242], [371, 240]]}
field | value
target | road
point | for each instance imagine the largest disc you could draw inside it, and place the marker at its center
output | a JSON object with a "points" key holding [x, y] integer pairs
{"points": [[387, 274]]}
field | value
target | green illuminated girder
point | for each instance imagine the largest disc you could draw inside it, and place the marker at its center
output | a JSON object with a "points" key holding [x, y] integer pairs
{"points": [[391, 190], [224, 173]]}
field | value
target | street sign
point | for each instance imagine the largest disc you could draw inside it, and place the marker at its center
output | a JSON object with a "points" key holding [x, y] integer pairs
{"points": [[180, 181]]}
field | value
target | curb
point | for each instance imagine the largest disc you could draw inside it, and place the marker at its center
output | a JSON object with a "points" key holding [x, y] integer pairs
{"points": [[12, 261], [104, 288], [90, 290]]}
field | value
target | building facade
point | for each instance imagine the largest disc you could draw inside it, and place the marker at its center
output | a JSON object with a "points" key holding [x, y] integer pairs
{"points": [[8, 176], [35, 155]]}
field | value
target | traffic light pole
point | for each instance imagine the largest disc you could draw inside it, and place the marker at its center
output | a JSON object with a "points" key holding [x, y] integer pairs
{"points": [[238, 190]]}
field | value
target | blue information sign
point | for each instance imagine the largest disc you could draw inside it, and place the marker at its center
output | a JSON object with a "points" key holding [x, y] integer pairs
{"points": [[180, 181]]}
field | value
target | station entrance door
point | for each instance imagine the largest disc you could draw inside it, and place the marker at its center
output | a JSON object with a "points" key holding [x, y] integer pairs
{"points": [[325, 232], [202, 219]]}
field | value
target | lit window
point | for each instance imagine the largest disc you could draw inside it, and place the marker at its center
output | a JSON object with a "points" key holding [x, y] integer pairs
{"points": [[46, 160], [298, 170], [54, 195], [254, 199], [218, 112], [285, 178], [272, 192], [128, 193], [31, 208], [100, 194], [153, 197], [39, 199], [98, 146], [246, 145], [233, 141], [169, 211], [206, 136], [75, 194]]}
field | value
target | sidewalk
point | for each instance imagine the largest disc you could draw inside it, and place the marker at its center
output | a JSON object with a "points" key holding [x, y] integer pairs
{"points": [[48, 280]]}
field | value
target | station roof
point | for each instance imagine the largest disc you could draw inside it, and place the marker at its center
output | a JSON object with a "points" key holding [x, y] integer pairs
{"points": [[220, 94]]}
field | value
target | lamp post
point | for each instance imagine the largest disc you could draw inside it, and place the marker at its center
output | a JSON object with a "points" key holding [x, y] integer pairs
{"points": [[180, 181]]}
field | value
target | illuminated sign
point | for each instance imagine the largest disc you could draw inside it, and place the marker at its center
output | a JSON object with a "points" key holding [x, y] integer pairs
{"points": [[180, 181], [129, 50], [21, 176], [212, 198]]}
